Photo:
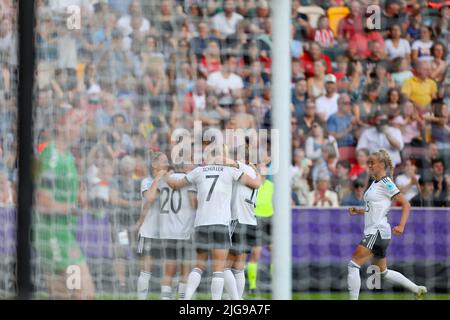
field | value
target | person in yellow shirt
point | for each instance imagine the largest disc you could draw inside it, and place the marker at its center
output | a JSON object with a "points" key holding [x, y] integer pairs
{"points": [[263, 212], [421, 89]]}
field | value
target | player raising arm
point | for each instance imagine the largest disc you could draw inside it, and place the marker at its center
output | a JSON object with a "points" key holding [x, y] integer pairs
{"points": [[214, 183], [377, 230]]}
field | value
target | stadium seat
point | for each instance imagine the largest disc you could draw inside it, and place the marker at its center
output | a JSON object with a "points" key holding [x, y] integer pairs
{"points": [[347, 153], [335, 14], [313, 13]]}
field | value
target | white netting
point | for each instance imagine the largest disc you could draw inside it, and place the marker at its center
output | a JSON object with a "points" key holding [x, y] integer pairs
{"points": [[119, 83]]}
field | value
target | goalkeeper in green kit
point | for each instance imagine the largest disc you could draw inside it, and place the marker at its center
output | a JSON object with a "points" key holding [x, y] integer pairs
{"points": [[55, 219]]}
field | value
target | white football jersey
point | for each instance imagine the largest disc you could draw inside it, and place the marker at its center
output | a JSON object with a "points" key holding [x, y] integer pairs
{"points": [[244, 198], [176, 214], [150, 227], [378, 202], [214, 191]]}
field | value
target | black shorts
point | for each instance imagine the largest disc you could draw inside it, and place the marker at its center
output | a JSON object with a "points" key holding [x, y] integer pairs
{"points": [[376, 244], [212, 237], [179, 250], [243, 239], [264, 231], [150, 247]]}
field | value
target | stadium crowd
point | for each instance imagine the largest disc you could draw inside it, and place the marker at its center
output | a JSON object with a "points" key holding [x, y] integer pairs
{"points": [[137, 70]]}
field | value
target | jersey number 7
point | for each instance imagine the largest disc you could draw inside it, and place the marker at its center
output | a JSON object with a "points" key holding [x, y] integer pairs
{"points": [[211, 190]]}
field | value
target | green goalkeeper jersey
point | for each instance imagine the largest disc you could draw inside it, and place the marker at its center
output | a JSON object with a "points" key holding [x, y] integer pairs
{"points": [[55, 233]]}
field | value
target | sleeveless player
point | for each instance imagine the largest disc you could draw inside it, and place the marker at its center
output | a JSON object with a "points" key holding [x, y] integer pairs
{"points": [[377, 230], [177, 215], [214, 183], [149, 243]]}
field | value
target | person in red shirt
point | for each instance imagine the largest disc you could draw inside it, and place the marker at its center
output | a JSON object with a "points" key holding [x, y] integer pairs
{"points": [[358, 44], [359, 169], [351, 24], [314, 54]]}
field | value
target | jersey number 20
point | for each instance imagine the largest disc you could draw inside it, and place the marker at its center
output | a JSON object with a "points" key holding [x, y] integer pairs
{"points": [[165, 195]]}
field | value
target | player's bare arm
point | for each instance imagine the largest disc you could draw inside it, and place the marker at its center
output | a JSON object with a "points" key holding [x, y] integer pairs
{"points": [[406, 206]]}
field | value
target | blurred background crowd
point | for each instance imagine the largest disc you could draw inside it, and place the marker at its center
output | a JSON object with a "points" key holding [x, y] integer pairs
{"points": [[137, 70]]}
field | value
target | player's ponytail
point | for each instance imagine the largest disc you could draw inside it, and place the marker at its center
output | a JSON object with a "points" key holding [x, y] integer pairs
{"points": [[384, 157]]}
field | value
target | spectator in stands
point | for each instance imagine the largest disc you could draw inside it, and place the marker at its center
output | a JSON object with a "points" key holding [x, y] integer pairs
{"points": [[382, 136], [356, 198], [195, 100], [401, 71], [242, 118], [340, 183], [256, 81], [103, 116], [351, 24], [407, 182], [120, 135], [262, 14], [441, 26], [415, 22], [393, 105], [316, 83], [213, 116], [224, 23], [322, 196], [369, 44], [327, 104], [301, 169], [376, 56], [326, 165], [210, 62], [355, 80], [305, 123], [310, 56], [439, 182], [318, 138], [300, 22], [358, 170], [391, 15], [439, 65], [440, 129], [425, 198], [124, 22], [341, 124], [323, 34], [397, 46], [421, 89], [410, 124], [226, 83], [421, 48], [364, 112], [299, 97], [199, 43]]}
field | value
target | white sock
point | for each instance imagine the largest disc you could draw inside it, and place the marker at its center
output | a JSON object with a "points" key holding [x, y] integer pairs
{"points": [[181, 290], [239, 275], [397, 278], [217, 285], [166, 293], [353, 280], [143, 284], [230, 284], [193, 282]]}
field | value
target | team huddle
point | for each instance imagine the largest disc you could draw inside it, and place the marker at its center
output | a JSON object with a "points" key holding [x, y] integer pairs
{"points": [[209, 208]]}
